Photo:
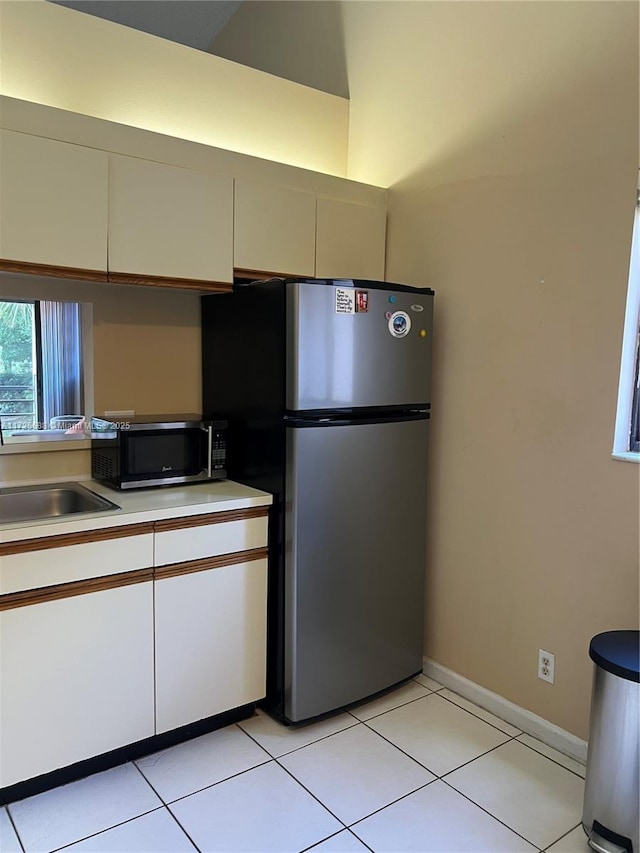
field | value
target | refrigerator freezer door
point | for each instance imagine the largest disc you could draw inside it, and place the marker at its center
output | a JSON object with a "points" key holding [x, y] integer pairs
{"points": [[354, 562], [342, 357]]}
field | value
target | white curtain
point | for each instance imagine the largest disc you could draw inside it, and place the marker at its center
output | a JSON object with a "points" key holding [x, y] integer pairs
{"points": [[61, 359]]}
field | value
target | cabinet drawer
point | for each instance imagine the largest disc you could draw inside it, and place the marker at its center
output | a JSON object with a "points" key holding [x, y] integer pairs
{"points": [[72, 557], [208, 536]]}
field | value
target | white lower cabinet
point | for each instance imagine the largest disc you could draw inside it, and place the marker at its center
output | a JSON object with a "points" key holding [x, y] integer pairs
{"points": [[99, 648], [76, 679], [210, 635]]}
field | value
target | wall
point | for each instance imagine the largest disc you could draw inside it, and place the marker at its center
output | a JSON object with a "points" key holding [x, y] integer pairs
{"points": [[77, 62], [508, 135]]}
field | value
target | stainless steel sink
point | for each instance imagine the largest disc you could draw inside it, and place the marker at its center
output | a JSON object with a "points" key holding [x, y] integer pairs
{"points": [[30, 503]]}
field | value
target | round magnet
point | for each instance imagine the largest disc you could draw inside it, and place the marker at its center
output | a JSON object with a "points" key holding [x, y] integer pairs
{"points": [[392, 299], [387, 315], [399, 324], [423, 333]]}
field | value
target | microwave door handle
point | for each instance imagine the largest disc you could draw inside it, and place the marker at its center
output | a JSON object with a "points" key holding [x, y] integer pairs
{"points": [[209, 431]]}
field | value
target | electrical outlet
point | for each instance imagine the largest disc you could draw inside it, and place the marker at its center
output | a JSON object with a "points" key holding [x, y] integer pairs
{"points": [[546, 665]]}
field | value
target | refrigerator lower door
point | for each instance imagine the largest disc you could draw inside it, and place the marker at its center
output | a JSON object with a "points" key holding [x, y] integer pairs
{"points": [[354, 562]]}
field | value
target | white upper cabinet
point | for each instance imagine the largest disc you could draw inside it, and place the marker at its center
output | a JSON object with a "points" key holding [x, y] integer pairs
{"points": [[350, 240], [274, 229], [86, 213], [53, 202], [169, 222]]}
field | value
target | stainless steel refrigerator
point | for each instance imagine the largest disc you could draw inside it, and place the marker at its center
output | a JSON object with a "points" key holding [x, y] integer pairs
{"points": [[326, 386]]}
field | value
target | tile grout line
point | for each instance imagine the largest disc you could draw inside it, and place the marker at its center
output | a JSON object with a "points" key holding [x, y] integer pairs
{"points": [[106, 829], [478, 717], [195, 846], [311, 794], [347, 826], [482, 755], [15, 828], [346, 829], [304, 746], [477, 805], [406, 754], [573, 828], [424, 766], [520, 734], [165, 806], [548, 757], [442, 779], [388, 805], [324, 806], [179, 799], [395, 707]]}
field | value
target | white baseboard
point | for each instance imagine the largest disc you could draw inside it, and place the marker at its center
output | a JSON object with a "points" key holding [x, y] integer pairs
{"points": [[530, 723]]}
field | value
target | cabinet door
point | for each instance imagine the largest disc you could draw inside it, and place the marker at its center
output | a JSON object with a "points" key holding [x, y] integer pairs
{"points": [[53, 202], [275, 229], [76, 679], [210, 642], [170, 222], [350, 240]]}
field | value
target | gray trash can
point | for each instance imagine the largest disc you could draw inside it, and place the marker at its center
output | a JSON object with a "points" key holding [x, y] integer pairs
{"points": [[610, 815]]}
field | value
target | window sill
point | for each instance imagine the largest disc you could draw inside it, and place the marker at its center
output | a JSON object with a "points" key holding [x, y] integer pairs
{"points": [[38, 444], [626, 456]]}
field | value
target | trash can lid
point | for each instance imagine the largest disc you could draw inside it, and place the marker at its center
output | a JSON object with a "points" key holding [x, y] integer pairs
{"points": [[617, 652]]}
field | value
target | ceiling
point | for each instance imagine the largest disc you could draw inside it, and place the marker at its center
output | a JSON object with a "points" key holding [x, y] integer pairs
{"points": [[194, 23]]}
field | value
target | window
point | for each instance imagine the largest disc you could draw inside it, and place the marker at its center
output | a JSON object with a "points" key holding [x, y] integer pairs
{"points": [[626, 443], [41, 384]]}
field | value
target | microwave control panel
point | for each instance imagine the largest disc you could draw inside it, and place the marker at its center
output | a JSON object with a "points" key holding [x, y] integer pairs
{"points": [[218, 451]]}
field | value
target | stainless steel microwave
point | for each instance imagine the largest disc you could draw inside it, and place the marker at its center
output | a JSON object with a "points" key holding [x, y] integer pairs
{"points": [[158, 450]]}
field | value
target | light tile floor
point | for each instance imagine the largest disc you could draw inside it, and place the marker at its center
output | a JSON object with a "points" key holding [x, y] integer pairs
{"points": [[420, 769]]}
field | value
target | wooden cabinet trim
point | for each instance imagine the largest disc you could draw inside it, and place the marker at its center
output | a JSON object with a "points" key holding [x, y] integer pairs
{"points": [[210, 518], [165, 281], [51, 270], [265, 275], [12, 600], [176, 569], [83, 537]]}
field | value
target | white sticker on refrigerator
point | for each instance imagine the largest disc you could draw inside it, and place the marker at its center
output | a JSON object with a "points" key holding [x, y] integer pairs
{"points": [[399, 324], [345, 300]]}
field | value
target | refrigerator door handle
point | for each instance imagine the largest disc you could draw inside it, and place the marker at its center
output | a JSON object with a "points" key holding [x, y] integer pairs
{"points": [[301, 420]]}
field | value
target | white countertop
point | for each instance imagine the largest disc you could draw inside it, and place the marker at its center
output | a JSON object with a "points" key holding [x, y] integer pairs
{"points": [[139, 505]]}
